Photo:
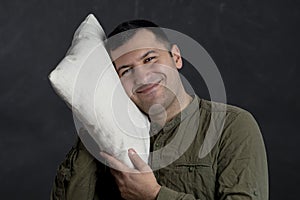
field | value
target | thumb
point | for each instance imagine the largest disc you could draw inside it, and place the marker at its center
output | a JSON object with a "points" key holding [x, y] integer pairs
{"points": [[137, 161]]}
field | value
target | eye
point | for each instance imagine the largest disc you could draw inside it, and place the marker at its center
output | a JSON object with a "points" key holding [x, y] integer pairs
{"points": [[149, 59], [125, 71]]}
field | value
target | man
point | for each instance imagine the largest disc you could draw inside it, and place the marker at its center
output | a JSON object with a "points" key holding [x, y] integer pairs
{"points": [[147, 64]]}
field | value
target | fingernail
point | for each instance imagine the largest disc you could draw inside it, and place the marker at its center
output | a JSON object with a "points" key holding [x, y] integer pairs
{"points": [[131, 151]]}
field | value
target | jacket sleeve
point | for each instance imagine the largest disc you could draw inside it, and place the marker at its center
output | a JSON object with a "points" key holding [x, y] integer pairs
{"points": [[242, 172], [76, 175], [242, 162]]}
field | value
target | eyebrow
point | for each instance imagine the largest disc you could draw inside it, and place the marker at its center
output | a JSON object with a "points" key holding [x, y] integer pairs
{"points": [[142, 57], [147, 53]]}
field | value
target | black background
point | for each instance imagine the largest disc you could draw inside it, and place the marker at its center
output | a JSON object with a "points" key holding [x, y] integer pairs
{"points": [[254, 43]]}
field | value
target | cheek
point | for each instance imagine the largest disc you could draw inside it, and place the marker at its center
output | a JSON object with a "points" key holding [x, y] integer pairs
{"points": [[170, 72], [127, 85]]}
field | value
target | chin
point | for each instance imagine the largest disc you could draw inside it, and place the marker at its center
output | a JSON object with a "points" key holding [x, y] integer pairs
{"points": [[145, 103]]}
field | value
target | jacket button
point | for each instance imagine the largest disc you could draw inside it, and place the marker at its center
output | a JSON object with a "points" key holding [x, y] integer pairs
{"points": [[191, 169], [255, 193]]}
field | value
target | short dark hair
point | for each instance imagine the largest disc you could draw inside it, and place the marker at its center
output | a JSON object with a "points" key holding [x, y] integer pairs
{"points": [[128, 29]]}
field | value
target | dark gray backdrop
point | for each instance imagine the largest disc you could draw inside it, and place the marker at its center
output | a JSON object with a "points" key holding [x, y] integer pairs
{"points": [[254, 43]]}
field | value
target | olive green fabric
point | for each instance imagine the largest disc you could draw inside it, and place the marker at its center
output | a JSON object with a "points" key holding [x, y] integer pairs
{"points": [[235, 168], [75, 175]]}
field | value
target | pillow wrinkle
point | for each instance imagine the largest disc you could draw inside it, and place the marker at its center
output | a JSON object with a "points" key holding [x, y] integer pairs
{"points": [[87, 81]]}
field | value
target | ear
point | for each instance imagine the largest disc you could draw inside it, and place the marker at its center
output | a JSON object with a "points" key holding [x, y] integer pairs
{"points": [[176, 56]]}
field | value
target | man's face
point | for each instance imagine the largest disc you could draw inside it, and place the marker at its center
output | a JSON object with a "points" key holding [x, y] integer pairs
{"points": [[147, 71]]}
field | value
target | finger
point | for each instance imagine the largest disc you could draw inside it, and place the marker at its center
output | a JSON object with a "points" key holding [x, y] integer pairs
{"points": [[137, 161], [113, 162]]}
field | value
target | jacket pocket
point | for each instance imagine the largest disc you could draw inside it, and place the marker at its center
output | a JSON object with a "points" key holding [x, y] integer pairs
{"points": [[197, 179], [190, 167]]}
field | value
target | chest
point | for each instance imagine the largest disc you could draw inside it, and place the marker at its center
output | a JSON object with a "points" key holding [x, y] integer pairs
{"points": [[178, 166]]}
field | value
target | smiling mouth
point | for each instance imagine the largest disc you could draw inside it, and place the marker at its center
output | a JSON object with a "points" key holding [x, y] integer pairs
{"points": [[147, 88]]}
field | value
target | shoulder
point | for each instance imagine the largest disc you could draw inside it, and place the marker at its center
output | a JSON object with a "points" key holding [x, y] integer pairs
{"points": [[230, 113], [212, 106], [240, 154], [228, 126], [234, 122]]}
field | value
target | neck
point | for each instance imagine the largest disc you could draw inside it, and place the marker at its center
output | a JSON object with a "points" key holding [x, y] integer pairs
{"points": [[165, 115]]}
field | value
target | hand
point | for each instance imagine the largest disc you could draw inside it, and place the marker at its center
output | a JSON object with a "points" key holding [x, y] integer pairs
{"points": [[138, 183]]}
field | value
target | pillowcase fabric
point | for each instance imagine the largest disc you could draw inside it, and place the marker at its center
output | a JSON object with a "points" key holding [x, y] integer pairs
{"points": [[87, 81]]}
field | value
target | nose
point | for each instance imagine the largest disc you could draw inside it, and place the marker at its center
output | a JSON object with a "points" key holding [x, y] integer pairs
{"points": [[141, 74]]}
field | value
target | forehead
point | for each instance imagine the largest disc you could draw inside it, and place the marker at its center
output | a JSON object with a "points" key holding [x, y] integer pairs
{"points": [[143, 39]]}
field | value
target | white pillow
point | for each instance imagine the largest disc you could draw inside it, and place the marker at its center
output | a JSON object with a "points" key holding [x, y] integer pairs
{"points": [[88, 82]]}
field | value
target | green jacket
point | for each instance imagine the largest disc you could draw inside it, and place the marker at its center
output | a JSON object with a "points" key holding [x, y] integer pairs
{"points": [[190, 159]]}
